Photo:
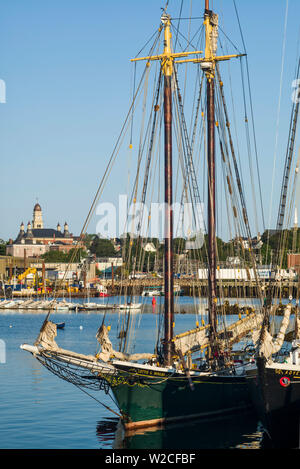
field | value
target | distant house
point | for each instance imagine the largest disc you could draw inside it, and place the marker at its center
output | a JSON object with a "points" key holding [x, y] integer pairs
{"points": [[233, 261], [149, 247], [245, 242], [256, 242]]}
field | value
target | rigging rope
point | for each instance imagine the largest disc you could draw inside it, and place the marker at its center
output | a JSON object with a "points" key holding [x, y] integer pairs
{"points": [[107, 171], [278, 114], [252, 115]]}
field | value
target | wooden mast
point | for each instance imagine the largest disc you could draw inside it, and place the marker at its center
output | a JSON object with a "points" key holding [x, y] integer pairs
{"points": [[168, 253], [211, 206]]}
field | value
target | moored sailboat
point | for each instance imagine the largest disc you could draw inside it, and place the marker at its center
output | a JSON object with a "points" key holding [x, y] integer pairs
{"points": [[169, 385], [274, 381]]}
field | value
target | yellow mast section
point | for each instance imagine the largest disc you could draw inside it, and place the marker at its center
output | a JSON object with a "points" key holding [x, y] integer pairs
{"points": [[208, 63], [167, 57]]}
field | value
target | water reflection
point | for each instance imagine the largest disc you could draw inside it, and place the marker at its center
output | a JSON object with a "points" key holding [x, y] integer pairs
{"points": [[106, 430], [239, 431]]}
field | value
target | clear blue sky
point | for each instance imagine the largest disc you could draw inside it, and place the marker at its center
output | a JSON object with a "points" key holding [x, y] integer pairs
{"points": [[66, 65]]}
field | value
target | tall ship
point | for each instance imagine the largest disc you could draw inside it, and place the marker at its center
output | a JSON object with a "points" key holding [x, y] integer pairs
{"points": [[198, 373], [275, 377]]}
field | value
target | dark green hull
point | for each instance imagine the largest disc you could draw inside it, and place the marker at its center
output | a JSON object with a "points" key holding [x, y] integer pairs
{"points": [[149, 398]]}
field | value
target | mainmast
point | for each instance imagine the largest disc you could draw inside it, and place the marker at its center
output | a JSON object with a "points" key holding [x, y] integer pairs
{"points": [[208, 65]]}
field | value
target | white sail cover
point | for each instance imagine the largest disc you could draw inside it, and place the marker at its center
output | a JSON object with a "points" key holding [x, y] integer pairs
{"points": [[47, 336], [268, 345], [48, 332], [107, 352], [214, 33], [46, 339], [241, 328], [297, 327], [197, 339], [192, 341]]}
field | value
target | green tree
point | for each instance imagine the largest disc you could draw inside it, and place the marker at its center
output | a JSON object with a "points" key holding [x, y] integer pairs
{"points": [[54, 256], [74, 255], [279, 243], [102, 247]]}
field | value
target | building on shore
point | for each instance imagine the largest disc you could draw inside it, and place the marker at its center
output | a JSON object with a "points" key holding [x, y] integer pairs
{"points": [[107, 265], [293, 261], [37, 239]]}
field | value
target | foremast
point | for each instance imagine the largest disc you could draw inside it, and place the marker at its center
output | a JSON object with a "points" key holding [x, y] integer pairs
{"points": [[167, 68], [211, 205]]}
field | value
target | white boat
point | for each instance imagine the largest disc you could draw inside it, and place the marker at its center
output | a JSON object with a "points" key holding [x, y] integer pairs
{"points": [[19, 304], [70, 305], [45, 304], [150, 292], [89, 306], [25, 304], [3, 303], [61, 306], [34, 305], [130, 306], [42, 305], [11, 304]]}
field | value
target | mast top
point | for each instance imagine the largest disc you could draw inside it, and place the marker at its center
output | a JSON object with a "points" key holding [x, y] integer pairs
{"points": [[167, 57], [208, 63]]}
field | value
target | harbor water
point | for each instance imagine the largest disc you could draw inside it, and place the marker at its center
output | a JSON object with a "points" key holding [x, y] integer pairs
{"points": [[39, 410]]}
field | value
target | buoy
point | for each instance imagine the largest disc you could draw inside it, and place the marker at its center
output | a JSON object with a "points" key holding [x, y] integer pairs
{"points": [[285, 381], [80, 327]]}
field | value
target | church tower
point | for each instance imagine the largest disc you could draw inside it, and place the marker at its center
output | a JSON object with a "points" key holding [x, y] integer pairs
{"points": [[37, 221]]}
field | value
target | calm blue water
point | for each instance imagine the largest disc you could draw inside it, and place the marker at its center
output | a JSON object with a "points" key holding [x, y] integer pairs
{"points": [[39, 410]]}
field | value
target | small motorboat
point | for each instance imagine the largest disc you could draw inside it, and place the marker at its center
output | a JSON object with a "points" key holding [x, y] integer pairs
{"points": [[60, 325]]}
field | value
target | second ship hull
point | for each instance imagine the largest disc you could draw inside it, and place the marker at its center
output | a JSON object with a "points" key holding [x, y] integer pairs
{"points": [[275, 391]]}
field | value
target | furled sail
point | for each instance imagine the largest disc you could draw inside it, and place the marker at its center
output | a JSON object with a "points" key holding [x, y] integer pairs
{"points": [[192, 340], [297, 327], [241, 328], [214, 33], [108, 352], [197, 339], [47, 336], [46, 340], [48, 332], [268, 345]]}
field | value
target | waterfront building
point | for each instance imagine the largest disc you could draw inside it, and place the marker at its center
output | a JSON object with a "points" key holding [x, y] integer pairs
{"points": [[105, 264], [37, 239], [293, 260]]}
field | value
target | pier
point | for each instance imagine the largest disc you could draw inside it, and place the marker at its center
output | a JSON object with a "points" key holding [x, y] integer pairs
{"points": [[190, 287]]}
